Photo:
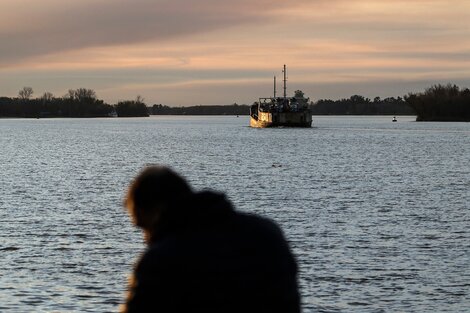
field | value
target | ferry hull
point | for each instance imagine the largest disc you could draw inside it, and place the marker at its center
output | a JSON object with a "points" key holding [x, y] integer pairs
{"points": [[281, 119]]}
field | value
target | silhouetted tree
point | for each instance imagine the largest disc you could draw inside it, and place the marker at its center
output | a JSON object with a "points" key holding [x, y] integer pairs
{"points": [[136, 108], [25, 93], [441, 103], [47, 96]]}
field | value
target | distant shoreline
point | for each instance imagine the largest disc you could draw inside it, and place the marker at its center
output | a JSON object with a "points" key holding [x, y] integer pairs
{"points": [[439, 103], [465, 120]]}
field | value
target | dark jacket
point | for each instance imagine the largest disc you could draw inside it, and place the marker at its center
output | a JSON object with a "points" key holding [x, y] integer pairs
{"points": [[205, 257]]}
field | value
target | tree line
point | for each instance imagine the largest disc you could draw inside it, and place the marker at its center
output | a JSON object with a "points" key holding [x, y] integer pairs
{"points": [[233, 109], [81, 102], [355, 105], [441, 103], [359, 105], [437, 103]]}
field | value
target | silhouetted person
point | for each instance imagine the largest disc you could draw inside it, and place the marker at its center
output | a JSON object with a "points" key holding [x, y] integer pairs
{"points": [[202, 255]]}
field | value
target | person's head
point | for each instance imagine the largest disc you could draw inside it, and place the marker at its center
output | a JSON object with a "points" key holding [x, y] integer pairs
{"points": [[151, 193]]}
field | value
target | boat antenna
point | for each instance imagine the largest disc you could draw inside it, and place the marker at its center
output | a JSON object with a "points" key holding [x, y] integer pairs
{"points": [[285, 81], [274, 86]]}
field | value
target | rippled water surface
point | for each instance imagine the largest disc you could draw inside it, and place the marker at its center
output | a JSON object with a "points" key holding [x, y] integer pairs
{"points": [[377, 213]]}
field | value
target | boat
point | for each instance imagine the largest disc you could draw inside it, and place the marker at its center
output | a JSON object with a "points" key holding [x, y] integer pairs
{"points": [[394, 119], [281, 111]]}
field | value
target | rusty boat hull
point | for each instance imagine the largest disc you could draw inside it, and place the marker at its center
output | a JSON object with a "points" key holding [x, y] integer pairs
{"points": [[281, 119]]}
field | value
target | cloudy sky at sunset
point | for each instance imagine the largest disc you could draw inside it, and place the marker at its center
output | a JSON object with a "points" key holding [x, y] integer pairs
{"points": [[189, 52]]}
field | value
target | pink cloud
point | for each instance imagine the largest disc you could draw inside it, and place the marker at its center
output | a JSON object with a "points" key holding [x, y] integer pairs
{"points": [[35, 30]]}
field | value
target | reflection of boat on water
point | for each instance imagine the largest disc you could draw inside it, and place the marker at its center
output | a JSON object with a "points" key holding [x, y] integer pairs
{"points": [[281, 111], [394, 119]]}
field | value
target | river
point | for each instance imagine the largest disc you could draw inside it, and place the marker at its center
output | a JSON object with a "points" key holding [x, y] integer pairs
{"points": [[376, 213]]}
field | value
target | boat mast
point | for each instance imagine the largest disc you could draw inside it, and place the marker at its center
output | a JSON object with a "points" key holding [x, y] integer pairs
{"points": [[274, 86], [285, 82]]}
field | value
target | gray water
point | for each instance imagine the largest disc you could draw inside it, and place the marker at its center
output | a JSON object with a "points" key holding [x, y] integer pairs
{"points": [[377, 213]]}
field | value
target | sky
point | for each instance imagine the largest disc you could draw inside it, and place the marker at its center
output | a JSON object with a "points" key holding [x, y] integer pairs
{"points": [[200, 52]]}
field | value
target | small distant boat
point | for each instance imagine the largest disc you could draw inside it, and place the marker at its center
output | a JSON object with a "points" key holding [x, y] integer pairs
{"points": [[394, 119], [281, 111]]}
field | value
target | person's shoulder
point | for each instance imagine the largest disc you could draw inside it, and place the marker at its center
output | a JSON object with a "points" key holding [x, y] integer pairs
{"points": [[266, 240], [259, 225], [258, 220]]}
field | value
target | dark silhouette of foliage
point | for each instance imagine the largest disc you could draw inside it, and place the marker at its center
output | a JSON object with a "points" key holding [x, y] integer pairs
{"points": [[437, 103], [77, 103], [358, 105], [82, 102], [136, 108], [441, 103], [25, 93], [234, 109]]}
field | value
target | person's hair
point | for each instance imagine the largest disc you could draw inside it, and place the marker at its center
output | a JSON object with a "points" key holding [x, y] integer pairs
{"points": [[155, 187]]}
